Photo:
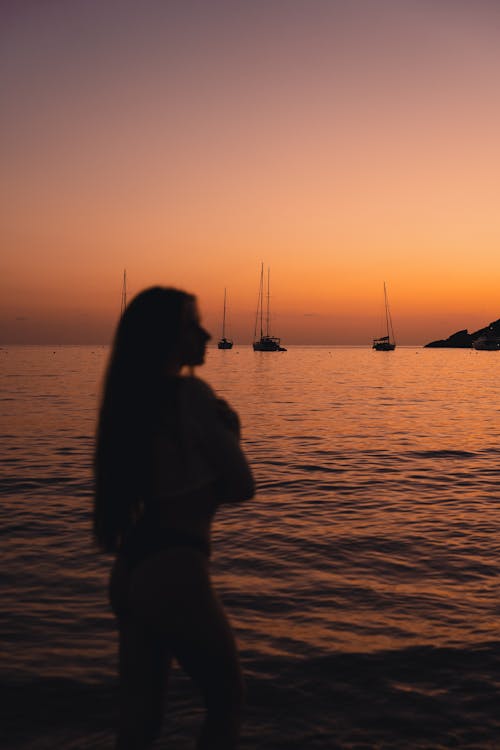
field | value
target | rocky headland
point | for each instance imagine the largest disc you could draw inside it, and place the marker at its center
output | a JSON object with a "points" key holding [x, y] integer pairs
{"points": [[463, 339]]}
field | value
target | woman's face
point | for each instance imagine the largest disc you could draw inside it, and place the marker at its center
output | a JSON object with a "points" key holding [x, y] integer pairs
{"points": [[193, 336]]}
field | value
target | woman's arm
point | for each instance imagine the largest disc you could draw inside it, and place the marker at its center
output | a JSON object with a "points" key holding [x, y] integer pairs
{"points": [[218, 429]]}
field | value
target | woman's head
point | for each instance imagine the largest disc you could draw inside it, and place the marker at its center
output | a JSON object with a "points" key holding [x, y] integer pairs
{"points": [[160, 331]]}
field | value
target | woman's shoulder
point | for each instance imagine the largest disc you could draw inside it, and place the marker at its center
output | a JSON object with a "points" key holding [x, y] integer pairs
{"points": [[195, 388], [198, 400]]}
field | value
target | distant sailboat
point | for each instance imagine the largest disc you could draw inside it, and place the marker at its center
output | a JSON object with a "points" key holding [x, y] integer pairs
{"points": [[265, 343], [224, 343], [386, 343]]}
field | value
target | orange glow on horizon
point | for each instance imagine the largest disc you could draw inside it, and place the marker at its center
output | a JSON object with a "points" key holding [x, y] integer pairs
{"points": [[343, 154]]}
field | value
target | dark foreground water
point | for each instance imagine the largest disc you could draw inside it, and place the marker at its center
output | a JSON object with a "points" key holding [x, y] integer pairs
{"points": [[363, 581]]}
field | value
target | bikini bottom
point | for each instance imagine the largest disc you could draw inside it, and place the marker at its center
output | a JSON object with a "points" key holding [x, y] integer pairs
{"points": [[147, 539]]}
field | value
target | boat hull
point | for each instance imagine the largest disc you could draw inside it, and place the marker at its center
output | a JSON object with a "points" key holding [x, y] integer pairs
{"points": [[225, 344], [384, 346], [268, 344], [487, 344]]}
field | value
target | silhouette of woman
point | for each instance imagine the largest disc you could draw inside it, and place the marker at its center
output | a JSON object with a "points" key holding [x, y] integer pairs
{"points": [[167, 456]]}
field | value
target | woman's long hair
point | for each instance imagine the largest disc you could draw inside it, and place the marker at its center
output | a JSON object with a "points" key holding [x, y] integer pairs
{"points": [[148, 335]]}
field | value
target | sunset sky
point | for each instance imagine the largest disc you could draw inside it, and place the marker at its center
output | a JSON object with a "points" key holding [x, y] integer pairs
{"points": [[343, 143]]}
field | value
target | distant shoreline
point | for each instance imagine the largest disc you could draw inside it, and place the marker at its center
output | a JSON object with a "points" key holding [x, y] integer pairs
{"points": [[463, 339]]}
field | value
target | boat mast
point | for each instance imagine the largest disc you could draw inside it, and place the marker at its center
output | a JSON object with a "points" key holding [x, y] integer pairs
{"points": [[224, 317], [267, 311], [261, 297], [386, 312], [124, 292], [259, 309], [388, 319]]}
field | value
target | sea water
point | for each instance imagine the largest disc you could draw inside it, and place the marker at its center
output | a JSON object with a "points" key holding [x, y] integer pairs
{"points": [[362, 580]]}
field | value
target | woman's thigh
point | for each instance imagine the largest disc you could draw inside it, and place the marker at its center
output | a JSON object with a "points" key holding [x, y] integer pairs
{"points": [[206, 649], [173, 595]]}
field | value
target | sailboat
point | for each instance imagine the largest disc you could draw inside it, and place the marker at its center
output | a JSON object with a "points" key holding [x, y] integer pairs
{"points": [[265, 343], [386, 343], [224, 343]]}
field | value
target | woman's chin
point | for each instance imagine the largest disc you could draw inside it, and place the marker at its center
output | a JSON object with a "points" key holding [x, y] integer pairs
{"points": [[197, 361]]}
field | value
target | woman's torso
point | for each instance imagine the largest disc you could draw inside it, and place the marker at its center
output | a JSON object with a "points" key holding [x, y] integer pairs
{"points": [[182, 495]]}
